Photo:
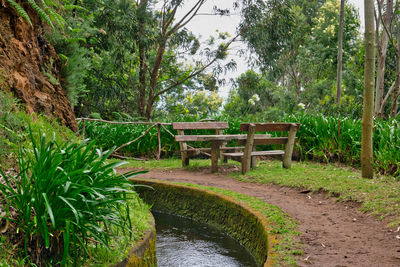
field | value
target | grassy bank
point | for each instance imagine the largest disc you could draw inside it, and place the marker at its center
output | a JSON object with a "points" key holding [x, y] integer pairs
{"points": [[379, 196]]}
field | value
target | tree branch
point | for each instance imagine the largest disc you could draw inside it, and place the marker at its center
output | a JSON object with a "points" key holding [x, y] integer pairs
{"points": [[385, 26], [182, 22], [391, 89], [196, 72]]}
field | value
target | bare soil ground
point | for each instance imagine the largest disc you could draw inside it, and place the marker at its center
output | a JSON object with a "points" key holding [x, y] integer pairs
{"points": [[333, 233]]}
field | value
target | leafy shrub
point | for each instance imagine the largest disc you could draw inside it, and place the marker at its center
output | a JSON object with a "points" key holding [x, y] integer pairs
{"points": [[110, 135], [66, 197]]}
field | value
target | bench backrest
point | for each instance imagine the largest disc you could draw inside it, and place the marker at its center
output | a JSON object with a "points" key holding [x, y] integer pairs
{"points": [[215, 125], [269, 127]]}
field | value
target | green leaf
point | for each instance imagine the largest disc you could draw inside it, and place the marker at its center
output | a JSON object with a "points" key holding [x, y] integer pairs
{"points": [[20, 11], [49, 210], [45, 232]]}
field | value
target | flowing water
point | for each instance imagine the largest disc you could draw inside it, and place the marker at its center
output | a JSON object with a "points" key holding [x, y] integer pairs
{"points": [[184, 243]]}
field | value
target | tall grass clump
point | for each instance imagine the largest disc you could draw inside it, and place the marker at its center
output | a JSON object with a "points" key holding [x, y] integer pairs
{"points": [[386, 144], [64, 199], [339, 139], [115, 135]]}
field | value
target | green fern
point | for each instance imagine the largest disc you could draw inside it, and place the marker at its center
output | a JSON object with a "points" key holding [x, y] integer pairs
{"points": [[46, 13], [42, 14], [20, 11], [55, 17]]}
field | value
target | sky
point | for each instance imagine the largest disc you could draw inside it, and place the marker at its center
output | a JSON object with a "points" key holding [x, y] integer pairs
{"points": [[205, 25]]}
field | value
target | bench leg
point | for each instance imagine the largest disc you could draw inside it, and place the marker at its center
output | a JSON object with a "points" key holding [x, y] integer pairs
{"points": [[214, 155], [185, 159], [254, 159], [287, 158], [246, 160], [224, 159]]}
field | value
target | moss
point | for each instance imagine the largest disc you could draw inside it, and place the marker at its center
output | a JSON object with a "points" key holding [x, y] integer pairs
{"points": [[143, 254], [239, 221], [149, 259]]}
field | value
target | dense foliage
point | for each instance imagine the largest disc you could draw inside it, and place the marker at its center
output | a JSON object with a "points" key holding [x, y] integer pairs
{"points": [[64, 198], [322, 138], [137, 60]]}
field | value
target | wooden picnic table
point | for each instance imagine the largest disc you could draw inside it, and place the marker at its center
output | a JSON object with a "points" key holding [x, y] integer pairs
{"points": [[216, 141]]}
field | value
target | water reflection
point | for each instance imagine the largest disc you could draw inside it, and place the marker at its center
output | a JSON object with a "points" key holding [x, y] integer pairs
{"points": [[182, 242]]}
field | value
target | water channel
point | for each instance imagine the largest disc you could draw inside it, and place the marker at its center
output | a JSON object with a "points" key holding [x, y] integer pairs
{"points": [[184, 243]]}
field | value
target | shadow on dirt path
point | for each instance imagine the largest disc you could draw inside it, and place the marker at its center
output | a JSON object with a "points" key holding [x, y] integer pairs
{"points": [[333, 233]]}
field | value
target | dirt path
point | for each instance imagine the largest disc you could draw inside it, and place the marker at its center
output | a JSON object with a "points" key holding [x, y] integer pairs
{"points": [[333, 233]]}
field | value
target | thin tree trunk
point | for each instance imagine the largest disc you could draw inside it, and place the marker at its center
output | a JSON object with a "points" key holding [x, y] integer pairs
{"points": [[367, 170], [142, 80], [141, 13], [396, 91], [340, 54], [382, 51]]}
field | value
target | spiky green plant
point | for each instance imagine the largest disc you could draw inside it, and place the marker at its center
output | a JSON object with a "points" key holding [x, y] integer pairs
{"points": [[66, 197], [42, 8]]}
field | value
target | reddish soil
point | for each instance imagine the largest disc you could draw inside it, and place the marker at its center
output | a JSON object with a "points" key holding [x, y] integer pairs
{"points": [[27, 61], [333, 233]]}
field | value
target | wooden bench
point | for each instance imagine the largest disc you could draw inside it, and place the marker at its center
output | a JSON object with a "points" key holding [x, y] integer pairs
{"points": [[248, 156], [187, 151]]}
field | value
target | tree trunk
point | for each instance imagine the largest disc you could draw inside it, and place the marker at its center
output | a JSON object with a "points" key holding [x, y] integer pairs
{"points": [[367, 170], [340, 54], [382, 51], [142, 80], [396, 91], [141, 15]]}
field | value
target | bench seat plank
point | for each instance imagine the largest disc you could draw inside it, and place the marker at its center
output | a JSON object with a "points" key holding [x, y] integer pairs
{"points": [[200, 125], [267, 127], [227, 137], [209, 148], [267, 141], [256, 153]]}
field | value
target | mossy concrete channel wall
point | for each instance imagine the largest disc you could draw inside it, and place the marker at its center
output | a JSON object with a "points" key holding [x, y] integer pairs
{"points": [[143, 253], [239, 221]]}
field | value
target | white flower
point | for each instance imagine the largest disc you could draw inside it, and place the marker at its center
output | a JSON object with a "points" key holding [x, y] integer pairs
{"points": [[251, 102], [255, 98], [301, 105]]}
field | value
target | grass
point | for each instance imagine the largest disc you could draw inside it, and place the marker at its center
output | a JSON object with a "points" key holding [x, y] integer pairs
{"points": [[65, 199], [322, 138], [14, 131], [99, 255], [379, 196], [121, 245], [170, 163]]}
